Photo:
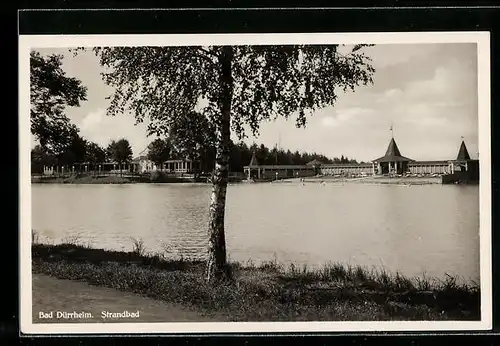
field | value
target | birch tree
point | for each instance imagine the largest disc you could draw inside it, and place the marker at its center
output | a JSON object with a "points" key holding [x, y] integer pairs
{"points": [[236, 87]]}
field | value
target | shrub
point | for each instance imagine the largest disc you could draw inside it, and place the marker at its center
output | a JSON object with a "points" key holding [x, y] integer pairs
{"points": [[139, 248], [156, 176]]}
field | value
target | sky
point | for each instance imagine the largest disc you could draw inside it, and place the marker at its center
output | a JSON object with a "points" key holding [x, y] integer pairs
{"points": [[427, 92]]}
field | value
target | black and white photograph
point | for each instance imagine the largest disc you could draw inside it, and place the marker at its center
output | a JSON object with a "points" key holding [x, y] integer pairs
{"points": [[255, 182]]}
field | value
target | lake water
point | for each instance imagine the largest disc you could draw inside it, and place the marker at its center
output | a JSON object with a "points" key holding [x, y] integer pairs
{"points": [[431, 229]]}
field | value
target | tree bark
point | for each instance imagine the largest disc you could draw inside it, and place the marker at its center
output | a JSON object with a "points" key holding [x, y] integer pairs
{"points": [[217, 268]]}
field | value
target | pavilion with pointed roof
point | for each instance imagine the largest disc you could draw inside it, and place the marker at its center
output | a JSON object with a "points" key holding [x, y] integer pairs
{"points": [[392, 162], [464, 163], [463, 154], [253, 161], [253, 169]]}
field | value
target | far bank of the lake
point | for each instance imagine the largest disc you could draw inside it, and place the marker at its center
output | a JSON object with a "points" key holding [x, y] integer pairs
{"points": [[268, 292], [117, 179], [425, 180], [112, 179], [377, 179]]}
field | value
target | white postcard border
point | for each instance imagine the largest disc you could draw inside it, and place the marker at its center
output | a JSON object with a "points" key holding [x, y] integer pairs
{"points": [[27, 42]]}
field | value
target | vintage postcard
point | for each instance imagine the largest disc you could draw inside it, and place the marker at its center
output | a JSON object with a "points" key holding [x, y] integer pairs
{"points": [[255, 183]]}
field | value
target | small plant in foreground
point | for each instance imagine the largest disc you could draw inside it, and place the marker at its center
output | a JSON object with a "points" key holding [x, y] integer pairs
{"points": [[35, 237], [139, 248], [74, 239]]}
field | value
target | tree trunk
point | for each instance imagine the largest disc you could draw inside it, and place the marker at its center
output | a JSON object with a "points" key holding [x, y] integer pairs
{"points": [[217, 268]]}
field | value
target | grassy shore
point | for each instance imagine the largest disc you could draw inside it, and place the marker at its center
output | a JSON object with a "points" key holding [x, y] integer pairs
{"points": [[84, 180], [268, 292], [113, 179]]}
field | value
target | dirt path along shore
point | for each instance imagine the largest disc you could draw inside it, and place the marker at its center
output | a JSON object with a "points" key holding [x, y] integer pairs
{"points": [[67, 300]]}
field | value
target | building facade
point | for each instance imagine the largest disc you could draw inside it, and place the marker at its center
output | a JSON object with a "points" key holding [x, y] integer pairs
{"points": [[142, 164], [346, 169], [89, 167], [428, 167], [180, 166], [254, 171]]}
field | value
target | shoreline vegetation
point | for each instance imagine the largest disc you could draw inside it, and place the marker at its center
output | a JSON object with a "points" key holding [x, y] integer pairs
{"points": [[269, 291], [113, 179]]}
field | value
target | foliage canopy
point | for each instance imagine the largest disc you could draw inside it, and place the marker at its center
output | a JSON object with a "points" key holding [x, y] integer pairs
{"points": [[165, 83], [50, 92]]}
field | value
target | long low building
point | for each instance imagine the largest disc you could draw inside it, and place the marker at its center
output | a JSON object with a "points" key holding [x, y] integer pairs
{"points": [[392, 163], [346, 168], [140, 164], [255, 171], [429, 167], [414, 167]]}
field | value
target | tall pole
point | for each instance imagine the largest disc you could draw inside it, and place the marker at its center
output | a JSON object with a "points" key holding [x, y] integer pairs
{"points": [[278, 147]]}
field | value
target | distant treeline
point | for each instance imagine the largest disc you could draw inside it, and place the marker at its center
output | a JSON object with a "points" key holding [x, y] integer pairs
{"points": [[241, 154], [80, 150]]}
